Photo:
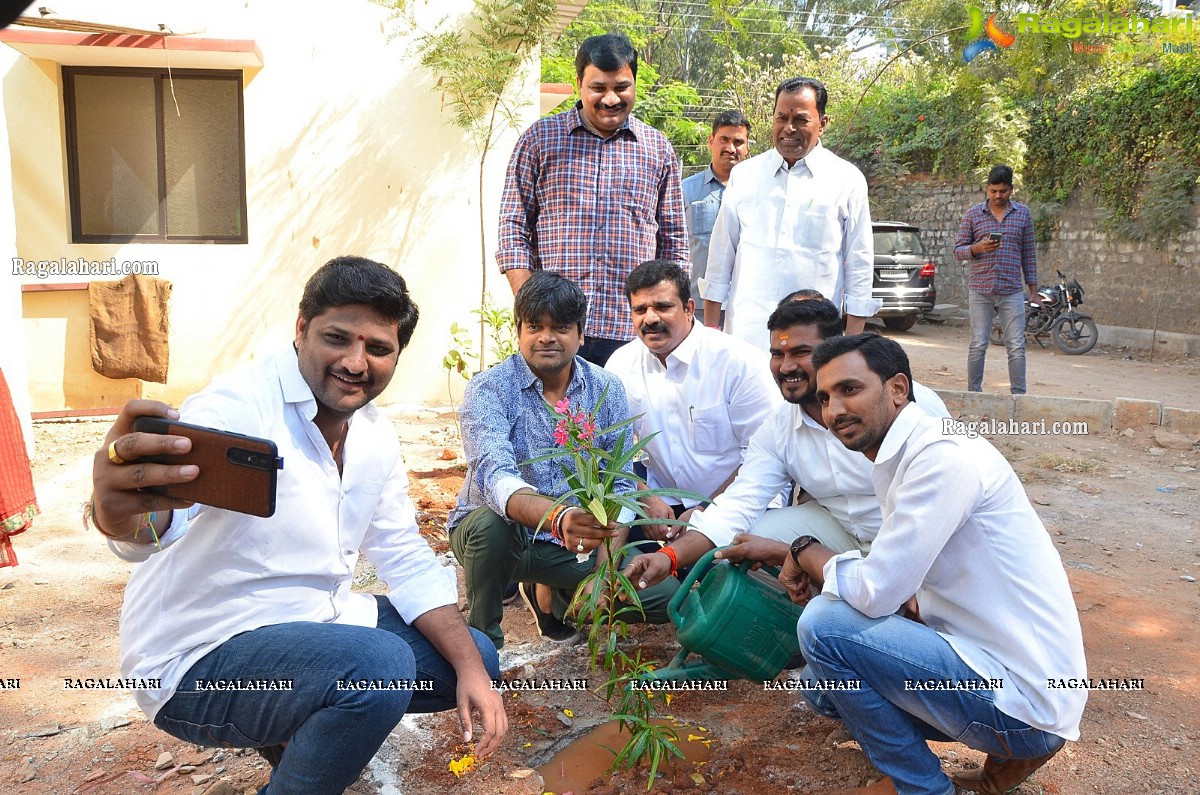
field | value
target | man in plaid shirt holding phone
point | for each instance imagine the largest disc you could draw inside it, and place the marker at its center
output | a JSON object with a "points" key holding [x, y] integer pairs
{"points": [[996, 238]]}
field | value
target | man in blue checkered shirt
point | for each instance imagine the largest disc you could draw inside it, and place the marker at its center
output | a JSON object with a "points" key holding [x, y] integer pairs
{"points": [[496, 529], [593, 192], [996, 238]]}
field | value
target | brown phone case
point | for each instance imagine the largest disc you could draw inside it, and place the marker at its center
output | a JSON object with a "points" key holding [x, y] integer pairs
{"points": [[238, 473]]}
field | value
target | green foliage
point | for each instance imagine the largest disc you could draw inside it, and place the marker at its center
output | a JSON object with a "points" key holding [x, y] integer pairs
{"points": [[499, 326], [665, 109], [477, 66], [1133, 145], [458, 358], [606, 600]]}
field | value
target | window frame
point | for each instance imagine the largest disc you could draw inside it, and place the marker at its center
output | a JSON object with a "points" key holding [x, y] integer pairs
{"points": [[72, 152]]}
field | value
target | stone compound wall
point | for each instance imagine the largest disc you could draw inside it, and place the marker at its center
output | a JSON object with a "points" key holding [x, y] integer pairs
{"points": [[1125, 284]]}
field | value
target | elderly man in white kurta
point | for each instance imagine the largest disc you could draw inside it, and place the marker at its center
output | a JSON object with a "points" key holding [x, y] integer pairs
{"points": [[793, 217]]}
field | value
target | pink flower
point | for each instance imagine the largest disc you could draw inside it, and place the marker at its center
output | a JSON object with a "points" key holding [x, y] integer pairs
{"points": [[920, 118], [563, 407], [561, 437], [587, 430]]}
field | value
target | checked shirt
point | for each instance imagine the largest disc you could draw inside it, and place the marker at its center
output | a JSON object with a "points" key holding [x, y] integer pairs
{"points": [[592, 209], [1007, 269]]}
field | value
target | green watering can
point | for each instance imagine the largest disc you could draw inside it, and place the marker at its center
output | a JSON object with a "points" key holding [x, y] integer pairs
{"points": [[743, 627]]}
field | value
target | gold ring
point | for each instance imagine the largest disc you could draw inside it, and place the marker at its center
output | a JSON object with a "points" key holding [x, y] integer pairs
{"points": [[112, 455]]}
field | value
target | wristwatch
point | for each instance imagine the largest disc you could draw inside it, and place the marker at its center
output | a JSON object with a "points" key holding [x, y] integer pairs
{"points": [[799, 545]]}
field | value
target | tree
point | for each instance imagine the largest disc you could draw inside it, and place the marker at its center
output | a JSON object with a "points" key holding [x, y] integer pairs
{"points": [[478, 69]]}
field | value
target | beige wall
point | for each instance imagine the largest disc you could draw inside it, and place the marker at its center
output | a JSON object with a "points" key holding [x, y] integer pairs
{"points": [[12, 342], [347, 152]]}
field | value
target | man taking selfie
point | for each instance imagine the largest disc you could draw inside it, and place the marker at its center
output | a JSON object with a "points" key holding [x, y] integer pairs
{"points": [[244, 629]]}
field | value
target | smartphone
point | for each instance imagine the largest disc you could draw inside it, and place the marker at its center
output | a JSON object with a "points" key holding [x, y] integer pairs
{"points": [[238, 473], [995, 237]]}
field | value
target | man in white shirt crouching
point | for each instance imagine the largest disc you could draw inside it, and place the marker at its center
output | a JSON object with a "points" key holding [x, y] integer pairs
{"points": [[960, 622], [703, 393], [792, 446], [245, 630]]}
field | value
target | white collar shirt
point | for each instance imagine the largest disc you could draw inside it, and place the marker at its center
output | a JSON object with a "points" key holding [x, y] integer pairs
{"points": [[703, 404], [959, 533], [221, 573], [781, 229], [793, 447]]}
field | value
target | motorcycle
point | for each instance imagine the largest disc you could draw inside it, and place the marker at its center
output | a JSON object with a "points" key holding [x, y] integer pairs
{"points": [[1071, 331]]}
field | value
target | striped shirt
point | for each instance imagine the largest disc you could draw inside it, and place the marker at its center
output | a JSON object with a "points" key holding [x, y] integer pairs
{"points": [[592, 209], [999, 272]]}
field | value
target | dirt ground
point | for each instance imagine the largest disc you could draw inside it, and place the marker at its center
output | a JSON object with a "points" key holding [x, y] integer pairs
{"points": [[1122, 510]]}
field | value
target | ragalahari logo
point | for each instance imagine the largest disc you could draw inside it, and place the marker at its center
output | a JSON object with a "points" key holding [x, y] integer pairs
{"points": [[979, 41]]}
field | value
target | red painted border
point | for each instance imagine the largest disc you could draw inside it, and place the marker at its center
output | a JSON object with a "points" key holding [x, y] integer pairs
{"points": [[69, 413], [131, 40], [53, 288]]}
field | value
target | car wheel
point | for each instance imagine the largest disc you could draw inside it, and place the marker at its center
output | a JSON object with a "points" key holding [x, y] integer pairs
{"points": [[902, 323]]}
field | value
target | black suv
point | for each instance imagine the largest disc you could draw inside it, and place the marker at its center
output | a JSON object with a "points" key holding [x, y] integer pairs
{"points": [[903, 275]]}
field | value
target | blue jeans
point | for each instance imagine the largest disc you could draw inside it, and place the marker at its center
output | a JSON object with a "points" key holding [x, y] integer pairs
{"points": [[982, 308], [892, 723], [331, 734]]}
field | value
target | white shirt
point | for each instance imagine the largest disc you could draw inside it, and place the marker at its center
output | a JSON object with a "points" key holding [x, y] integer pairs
{"points": [[704, 404], [221, 573], [793, 447], [781, 229], [959, 532]]}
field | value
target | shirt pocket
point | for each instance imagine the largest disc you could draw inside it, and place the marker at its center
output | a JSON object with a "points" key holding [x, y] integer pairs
{"points": [[359, 505], [702, 216], [819, 230], [636, 404], [711, 431], [636, 193]]}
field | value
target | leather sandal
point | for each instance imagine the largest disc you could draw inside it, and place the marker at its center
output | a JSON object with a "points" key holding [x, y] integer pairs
{"points": [[999, 776]]}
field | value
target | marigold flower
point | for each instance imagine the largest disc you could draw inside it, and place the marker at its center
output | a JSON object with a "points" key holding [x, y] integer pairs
{"points": [[459, 767]]}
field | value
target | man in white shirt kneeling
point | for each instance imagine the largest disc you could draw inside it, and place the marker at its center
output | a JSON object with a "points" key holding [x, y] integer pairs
{"points": [[791, 446], [960, 622]]}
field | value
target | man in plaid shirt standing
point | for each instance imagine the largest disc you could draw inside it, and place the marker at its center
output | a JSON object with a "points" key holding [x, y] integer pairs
{"points": [[996, 238], [593, 192]]}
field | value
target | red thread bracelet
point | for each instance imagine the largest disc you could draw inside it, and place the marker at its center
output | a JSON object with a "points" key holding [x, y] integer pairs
{"points": [[552, 521], [670, 553]]}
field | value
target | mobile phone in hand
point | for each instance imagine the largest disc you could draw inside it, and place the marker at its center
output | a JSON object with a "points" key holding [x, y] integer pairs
{"points": [[995, 237], [238, 473]]}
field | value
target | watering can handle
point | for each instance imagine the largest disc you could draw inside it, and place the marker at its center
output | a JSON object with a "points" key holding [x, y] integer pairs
{"points": [[699, 570]]}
